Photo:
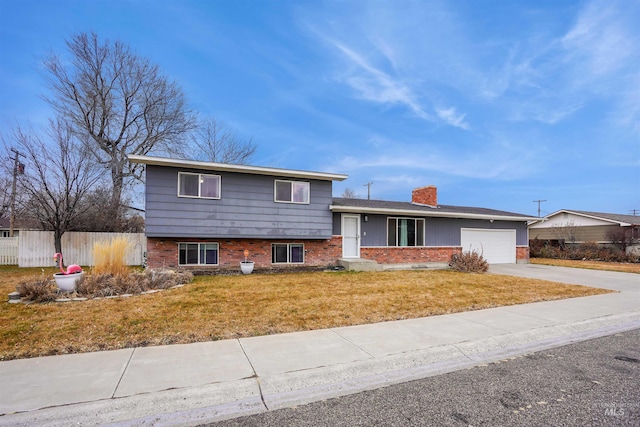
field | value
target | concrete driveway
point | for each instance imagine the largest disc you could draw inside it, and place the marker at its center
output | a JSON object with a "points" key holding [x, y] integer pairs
{"points": [[621, 282]]}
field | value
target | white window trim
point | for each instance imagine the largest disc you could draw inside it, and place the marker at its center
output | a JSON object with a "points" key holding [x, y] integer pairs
{"points": [[200, 175], [304, 258], [199, 264], [424, 232], [275, 193]]}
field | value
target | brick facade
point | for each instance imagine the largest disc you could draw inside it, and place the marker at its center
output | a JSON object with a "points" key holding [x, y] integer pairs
{"points": [[425, 195], [522, 254], [163, 252], [396, 255]]}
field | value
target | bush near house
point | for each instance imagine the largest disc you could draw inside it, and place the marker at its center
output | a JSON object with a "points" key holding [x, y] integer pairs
{"points": [[581, 251], [469, 262]]}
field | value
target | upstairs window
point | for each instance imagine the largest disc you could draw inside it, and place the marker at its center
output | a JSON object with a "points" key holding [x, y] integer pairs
{"points": [[405, 232], [291, 191], [198, 185]]}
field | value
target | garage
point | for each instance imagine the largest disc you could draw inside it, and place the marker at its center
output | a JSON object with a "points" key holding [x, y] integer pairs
{"points": [[496, 246]]}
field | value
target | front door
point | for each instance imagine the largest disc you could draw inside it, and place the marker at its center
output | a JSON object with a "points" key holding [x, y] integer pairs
{"points": [[351, 236]]}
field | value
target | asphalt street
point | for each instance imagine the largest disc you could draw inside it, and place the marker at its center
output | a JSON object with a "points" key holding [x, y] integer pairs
{"points": [[591, 383]]}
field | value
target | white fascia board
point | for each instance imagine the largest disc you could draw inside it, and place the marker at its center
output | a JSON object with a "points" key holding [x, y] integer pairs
{"points": [[437, 214], [599, 218], [226, 167]]}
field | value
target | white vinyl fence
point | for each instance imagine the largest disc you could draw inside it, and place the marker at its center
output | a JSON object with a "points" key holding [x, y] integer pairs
{"points": [[36, 248], [8, 250]]}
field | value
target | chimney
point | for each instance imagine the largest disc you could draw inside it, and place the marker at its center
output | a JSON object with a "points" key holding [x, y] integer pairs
{"points": [[425, 195]]}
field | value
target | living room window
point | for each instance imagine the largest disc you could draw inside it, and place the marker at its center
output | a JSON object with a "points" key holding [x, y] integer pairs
{"points": [[198, 253], [405, 232], [198, 185], [291, 191], [287, 253]]}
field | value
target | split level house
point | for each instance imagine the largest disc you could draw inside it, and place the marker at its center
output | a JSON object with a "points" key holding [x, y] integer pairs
{"points": [[204, 215]]}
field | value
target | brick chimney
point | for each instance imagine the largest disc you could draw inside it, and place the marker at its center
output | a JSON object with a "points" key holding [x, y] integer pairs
{"points": [[425, 195]]}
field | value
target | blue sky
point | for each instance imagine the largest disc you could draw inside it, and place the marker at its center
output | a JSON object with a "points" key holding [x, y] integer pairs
{"points": [[497, 103]]}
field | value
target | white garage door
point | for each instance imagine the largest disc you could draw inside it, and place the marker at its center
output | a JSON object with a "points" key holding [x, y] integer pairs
{"points": [[496, 246]]}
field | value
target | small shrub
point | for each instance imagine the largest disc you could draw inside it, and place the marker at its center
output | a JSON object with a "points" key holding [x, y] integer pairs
{"points": [[164, 279], [38, 289], [110, 257], [469, 262]]}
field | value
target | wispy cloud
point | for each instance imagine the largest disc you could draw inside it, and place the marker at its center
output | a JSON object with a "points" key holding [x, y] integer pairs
{"points": [[499, 162], [450, 116], [599, 40], [375, 85], [378, 62]]}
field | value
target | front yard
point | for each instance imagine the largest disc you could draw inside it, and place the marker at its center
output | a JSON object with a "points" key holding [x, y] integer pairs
{"points": [[623, 267], [219, 307]]}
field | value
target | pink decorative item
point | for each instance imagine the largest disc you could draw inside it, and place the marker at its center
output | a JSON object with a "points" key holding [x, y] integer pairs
{"points": [[71, 269]]}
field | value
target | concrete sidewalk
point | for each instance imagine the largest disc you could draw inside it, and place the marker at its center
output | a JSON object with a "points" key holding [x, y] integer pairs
{"points": [[196, 383]]}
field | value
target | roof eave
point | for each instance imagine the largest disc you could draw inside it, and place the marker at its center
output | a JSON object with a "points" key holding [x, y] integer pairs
{"points": [[599, 218], [440, 214], [225, 167]]}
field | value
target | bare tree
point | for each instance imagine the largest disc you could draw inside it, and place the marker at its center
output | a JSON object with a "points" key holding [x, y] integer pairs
{"points": [[57, 177], [621, 237], [349, 194], [213, 141], [95, 208], [566, 233], [118, 103]]}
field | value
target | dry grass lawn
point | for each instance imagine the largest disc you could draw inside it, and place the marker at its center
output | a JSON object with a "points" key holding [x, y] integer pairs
{"points": [[219, 307], [623, 267]]}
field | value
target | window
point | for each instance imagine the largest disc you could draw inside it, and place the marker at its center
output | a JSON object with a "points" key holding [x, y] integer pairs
{"points": [[405, 232], [198, 185], [287, 253], [198, 253], [291, 191]]}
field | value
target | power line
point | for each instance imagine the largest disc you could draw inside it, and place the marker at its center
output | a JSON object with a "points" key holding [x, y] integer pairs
{"points": [[538, 202]]}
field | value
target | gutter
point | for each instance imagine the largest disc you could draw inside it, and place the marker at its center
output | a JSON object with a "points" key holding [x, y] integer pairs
{"points": [[227, 167], [437, 214]]}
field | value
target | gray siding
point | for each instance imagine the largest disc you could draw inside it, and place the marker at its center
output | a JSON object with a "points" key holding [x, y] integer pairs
{"points": [[246, 209], [439, 231], [585, 233]]}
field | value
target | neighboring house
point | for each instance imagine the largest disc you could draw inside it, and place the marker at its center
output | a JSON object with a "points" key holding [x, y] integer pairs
{"points": [[5, 226], [201, 214], [580, 226]]}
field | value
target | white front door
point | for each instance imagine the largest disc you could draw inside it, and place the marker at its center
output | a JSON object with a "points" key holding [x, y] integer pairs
{"points": [[351, 236]]}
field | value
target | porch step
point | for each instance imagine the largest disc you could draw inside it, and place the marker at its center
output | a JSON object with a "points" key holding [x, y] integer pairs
{"points": [[416, 266], [359, 264]]}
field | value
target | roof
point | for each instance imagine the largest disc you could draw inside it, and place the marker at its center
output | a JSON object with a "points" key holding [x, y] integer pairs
{"points": [[20, 224], [415, 209], [624, 220], [226, 167]]}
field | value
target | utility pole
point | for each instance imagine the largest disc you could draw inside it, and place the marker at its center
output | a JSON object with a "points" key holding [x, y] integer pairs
{"points": [[538, 202], [18, 168], [634, 211], [368, 185]]}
